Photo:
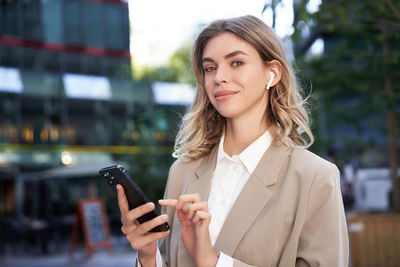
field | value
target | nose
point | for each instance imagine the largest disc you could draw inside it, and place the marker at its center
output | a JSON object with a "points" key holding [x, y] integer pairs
{"points": [[222, 75]]}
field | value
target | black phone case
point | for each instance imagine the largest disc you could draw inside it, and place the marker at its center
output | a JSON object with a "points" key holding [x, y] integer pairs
{"points": [[116, 174]]}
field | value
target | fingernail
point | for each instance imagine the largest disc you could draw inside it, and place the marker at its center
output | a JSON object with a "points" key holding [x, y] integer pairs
{"points": [[150, 205], [164, 217]]}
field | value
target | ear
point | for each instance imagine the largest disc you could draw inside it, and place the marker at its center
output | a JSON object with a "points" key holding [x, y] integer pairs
{"points": [[276, 67]]}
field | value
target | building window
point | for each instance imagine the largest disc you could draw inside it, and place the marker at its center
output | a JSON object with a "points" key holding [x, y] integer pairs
{"points": [[93, 65], [52, 21], [93, 27], [73, 63], [113, 26], [32, 59], [9, 17], [51, 61], [32, 20], [9, 56], [72, 24], [125, 28]]}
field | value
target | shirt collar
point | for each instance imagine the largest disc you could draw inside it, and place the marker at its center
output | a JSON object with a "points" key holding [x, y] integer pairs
{"points": [[252, 154]]}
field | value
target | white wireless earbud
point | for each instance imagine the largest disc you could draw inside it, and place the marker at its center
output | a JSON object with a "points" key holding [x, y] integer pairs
{"points": [[270, 80]]}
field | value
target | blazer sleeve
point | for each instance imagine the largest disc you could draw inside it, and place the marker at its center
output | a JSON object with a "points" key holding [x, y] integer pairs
{"points": [[324, 239], [173, 189], [163, 247], [170, 191]]}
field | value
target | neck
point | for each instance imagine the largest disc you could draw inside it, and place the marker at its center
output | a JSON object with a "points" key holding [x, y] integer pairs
{"points": [[240, 133]]}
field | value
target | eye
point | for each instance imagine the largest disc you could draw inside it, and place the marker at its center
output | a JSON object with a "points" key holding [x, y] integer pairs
{"points": [[237, 63], [209, 69]]}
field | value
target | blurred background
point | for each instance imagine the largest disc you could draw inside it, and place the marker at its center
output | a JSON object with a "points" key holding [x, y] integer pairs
{"points": [[86, 84]]}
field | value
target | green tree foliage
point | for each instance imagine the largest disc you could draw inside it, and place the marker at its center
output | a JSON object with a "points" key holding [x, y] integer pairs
{"points": [[357, 78], [272, 4], [177, 69]]}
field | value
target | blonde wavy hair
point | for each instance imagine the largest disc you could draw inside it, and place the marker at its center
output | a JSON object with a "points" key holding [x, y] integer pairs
{"points": [[287, 117]]}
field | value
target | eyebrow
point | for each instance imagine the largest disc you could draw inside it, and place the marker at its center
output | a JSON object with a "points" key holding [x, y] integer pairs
{"points": [[232, 54]]}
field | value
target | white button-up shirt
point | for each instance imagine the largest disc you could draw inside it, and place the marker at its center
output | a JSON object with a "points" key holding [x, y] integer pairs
{"points": [[229, 178]]}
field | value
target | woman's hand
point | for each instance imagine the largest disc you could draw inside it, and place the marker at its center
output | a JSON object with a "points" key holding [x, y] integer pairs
{"points": [[194, 218], [137, 234]]}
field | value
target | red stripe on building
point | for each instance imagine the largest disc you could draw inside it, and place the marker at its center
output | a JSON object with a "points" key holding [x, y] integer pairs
{"points": [[8, 40], [93, 51]]}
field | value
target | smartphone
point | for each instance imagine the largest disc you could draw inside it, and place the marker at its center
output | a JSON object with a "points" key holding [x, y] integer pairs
{"points": [[116, 174]]}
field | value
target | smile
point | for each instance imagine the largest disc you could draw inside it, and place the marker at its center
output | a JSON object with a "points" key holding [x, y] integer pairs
{"points": [[224, 95]]}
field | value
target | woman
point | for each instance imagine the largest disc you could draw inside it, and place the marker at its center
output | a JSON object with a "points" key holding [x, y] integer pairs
{"points": [[244, 190]]}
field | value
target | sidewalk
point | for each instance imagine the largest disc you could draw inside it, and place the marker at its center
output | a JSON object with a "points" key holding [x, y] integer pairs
{"points": [[123, 255], [100, 258]]}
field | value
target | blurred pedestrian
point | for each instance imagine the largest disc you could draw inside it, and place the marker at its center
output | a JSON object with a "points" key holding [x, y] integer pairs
{"points": [[244, 190]]}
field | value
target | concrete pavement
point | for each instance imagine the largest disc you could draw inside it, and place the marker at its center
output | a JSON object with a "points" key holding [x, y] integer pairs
{"points": [[99, 259], [123, 255]]}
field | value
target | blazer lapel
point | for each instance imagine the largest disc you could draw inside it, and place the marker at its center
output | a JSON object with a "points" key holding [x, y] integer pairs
{"points": [[202, 180], [253, 198]]}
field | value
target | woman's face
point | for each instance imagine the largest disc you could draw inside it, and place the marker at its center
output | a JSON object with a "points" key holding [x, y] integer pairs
{"points": [[235, 77]]}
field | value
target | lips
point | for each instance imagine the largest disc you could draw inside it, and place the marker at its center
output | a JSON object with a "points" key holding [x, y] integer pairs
{"points": [[224, 94]]}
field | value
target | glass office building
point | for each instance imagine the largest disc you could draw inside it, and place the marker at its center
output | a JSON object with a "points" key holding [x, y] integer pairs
{"points": [[67, 98], [40, 42]]}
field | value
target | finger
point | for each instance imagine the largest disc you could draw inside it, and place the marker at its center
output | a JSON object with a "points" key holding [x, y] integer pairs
{"points": [[134, 214], [122, 201], [141, 229], [168, 202], [185, 223], [192, 209], [128, 228], [147, 226], [181, 217], [139, 243], [193, 198], [186, 206], [201, 216]]}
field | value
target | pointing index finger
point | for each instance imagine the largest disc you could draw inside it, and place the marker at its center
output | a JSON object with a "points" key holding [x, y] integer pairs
{"points": [[168, 202], [184, 199]]}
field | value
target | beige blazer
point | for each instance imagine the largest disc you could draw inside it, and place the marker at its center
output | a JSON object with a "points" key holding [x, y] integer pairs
{"points": [[289, 213]]}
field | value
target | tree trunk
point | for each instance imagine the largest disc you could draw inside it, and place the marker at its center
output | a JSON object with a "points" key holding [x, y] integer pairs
{"points": [[273, 7], [391, 125]]}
